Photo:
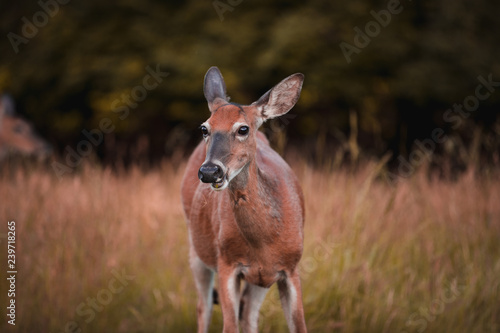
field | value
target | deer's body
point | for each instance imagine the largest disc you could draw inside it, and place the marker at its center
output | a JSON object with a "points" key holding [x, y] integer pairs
{"points": [[246, 217], [17, 135], [253, 232]]}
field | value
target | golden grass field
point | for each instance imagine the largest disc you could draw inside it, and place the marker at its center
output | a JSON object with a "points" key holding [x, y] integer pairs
{"points": [[103, 251]]}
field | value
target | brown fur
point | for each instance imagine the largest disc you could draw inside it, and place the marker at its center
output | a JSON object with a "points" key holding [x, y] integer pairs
{"points": [[253, 229], [17, 135]]}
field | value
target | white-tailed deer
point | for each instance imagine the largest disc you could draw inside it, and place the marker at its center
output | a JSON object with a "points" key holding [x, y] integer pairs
{"points": [[17, 135], [246, 216]]}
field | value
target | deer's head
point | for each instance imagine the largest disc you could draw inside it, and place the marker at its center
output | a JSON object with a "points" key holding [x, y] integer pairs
{"points": [[230, 132]]}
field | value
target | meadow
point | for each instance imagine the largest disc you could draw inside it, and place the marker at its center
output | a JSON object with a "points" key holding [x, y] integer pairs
{"points": [[107, 251]]}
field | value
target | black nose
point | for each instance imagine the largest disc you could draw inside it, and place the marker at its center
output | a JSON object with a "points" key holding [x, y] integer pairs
{"points": [[210, 172]]}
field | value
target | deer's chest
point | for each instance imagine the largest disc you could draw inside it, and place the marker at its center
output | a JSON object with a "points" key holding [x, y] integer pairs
{"points": [[260, 264]]}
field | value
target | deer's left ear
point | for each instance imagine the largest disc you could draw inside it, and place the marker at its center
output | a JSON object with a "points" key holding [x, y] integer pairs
{"points": [[7, 106], [214, 88], [281, 98]]}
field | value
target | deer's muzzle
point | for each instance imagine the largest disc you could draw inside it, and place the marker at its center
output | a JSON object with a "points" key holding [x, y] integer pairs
{"points": [[211, 173]]}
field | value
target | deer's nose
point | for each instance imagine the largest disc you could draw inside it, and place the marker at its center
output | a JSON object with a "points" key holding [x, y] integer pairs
{"points": [[210, 172]]}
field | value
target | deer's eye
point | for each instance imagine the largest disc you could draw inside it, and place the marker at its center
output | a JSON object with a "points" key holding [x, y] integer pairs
{"points": [[243, 130], [204, 131]]}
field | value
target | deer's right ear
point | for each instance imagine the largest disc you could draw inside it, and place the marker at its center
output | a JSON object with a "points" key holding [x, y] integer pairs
{"points": [[214, 88]]}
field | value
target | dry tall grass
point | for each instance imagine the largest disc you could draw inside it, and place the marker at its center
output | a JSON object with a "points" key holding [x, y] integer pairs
{"points": [[423, 255]]}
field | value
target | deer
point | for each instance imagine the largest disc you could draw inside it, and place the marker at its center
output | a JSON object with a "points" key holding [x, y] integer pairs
{"points": [[244, 210], [17, 135]]}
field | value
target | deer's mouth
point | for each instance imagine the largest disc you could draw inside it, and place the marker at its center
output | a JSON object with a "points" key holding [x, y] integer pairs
{"points": [[220, 183]]}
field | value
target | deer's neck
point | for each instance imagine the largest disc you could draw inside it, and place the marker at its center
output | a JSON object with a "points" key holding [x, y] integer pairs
{"points": [[255, 203]]}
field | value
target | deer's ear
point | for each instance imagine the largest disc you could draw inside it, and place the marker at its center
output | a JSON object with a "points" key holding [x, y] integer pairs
{"points": [[7, 106], [214, 88], [281, 98]]}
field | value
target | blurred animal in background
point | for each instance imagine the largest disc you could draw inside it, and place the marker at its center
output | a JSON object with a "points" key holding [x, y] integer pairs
{"points": [[17, 136]]}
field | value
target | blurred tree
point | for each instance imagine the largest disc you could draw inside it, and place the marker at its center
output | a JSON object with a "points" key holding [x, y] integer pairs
{"points": [[74, 71]]}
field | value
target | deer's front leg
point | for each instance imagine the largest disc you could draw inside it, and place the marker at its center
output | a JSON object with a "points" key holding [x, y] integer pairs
{"points": [[204, 279], [291, 300], [229, 296]]}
